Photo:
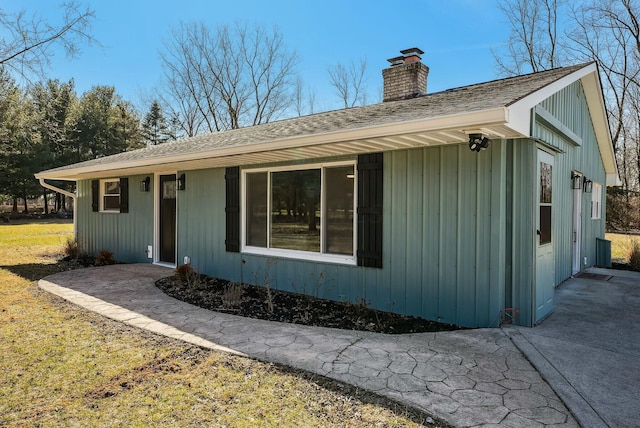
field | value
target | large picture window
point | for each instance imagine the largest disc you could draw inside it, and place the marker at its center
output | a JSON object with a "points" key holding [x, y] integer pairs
{"points": [[305, 212]]}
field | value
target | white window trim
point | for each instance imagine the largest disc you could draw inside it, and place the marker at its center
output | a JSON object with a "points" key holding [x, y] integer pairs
{"points": [[297, 254], [102, 195], [596, 201]]}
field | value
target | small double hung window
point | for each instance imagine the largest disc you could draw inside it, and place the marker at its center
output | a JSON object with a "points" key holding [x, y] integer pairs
{"points": [[110, 195]]}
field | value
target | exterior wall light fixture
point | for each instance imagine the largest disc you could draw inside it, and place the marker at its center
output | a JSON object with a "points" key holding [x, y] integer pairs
{"points": [[576, 181], [588, 185], [182, 182], [145, 184]]}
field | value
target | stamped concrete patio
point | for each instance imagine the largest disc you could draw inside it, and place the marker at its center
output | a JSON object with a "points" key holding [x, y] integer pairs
{"points": [[469, 378]]}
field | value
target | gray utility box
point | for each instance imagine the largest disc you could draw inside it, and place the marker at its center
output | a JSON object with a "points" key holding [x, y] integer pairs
{"points": [[603, 252]]}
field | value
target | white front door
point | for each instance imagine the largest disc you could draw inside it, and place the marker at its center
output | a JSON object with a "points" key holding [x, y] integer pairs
{"points": [[577, 230], [545, 263]]}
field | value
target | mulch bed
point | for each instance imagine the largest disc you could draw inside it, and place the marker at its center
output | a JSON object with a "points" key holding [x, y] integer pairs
{"points": [[274, 305]]}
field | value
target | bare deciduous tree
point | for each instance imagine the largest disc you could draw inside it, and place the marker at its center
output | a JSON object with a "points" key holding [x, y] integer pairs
{"points": [[227, 78], [183, 109], [304, 99], [606, 31], [28, 47], [349, 82], [533, 40]]}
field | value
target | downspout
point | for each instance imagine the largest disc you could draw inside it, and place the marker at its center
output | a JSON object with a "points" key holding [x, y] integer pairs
{"points": [[66, 193]]}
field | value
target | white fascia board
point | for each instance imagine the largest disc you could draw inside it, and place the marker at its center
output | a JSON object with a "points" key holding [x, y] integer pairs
{"points": [[595, 102], [471, 120], [613, 180], [520, 111]]}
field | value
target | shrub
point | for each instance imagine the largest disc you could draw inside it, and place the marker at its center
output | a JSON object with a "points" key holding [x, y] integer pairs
{"points": [[186, 273], [104, 258], [71, 249], [232, 295], [634, 256], [183, 272]]}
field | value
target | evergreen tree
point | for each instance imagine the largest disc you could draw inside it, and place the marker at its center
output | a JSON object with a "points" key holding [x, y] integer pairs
{"points": [[103, 125], [21, 151], [53, 102], [155, 129]]}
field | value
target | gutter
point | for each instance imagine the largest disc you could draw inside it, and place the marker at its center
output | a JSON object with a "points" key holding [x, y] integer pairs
{"points": [[66, 193], [57, 189]]}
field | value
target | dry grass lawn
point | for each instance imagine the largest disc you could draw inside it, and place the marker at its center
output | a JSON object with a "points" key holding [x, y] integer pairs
{"points": [[621, 245], [63, 366]]}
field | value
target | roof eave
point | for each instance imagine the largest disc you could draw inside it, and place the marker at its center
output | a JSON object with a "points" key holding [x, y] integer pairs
{"points": [[520, 112], [595, 100], [462, 123]]}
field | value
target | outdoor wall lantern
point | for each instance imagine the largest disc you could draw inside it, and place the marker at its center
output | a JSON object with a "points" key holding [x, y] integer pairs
{"points": [[182, 182], [588, 185], [576, 181], [145, 184], [478, 142]]}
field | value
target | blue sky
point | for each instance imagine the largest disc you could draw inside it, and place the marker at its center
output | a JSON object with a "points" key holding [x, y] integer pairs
{"points": [[456, 35]]}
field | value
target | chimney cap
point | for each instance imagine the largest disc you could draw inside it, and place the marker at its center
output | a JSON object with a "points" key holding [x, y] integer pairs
{"points": [[396, 60], [412, 51]]}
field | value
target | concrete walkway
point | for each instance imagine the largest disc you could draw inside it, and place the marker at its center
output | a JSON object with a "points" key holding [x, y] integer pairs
{"points": [[468, 378], [589, 348]]}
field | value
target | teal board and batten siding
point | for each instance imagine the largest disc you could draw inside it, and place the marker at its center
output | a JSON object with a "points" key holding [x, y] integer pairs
{"points": [[566, 131], [444, 229], [458, 230], [126, 235], [521, 227], [570, 109]]}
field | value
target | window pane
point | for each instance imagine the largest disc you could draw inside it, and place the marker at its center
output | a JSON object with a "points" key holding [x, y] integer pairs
{"points": [[545, 224], [257, 209], [339, 209], [596, 197], [295, 205], [169, 189], [112, 187], [545, 183], [111, 203]]}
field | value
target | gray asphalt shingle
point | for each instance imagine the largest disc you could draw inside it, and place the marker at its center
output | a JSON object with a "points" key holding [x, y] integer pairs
{"points": [[466, 99]]}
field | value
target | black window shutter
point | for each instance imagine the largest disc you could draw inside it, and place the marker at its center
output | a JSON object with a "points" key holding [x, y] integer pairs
{"points": [[370, 209], [232, 209], [124, 195], [95, 195]]}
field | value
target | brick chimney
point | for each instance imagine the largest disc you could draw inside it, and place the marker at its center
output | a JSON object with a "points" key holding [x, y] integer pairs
{"points": [[406, 77]]}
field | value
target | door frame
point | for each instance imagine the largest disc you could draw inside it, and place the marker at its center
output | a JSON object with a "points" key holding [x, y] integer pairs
{"points": [[576, 244], [156, 219], [538, 284]]}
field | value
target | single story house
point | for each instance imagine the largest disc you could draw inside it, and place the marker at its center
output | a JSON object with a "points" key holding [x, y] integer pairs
{"points": [[451, 206]]}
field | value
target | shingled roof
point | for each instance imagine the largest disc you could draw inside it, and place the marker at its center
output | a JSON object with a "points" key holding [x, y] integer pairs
{"points": [[438, 118]]}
